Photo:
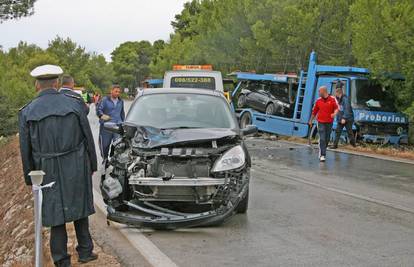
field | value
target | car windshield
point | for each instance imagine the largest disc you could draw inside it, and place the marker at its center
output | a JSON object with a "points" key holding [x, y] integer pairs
{"points": [[279, 91], [371, 95], [178, 110]]}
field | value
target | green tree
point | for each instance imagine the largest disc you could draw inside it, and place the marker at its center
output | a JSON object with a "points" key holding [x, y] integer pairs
{"points": [[130, 62], [383, 40], [72, 58], [184, 22], [100, 72], [17, 87], [13, 9]]}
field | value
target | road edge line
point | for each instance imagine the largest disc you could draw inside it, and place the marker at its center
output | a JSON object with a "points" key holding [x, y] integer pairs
{"points": [[361, 154], [152, 254]]}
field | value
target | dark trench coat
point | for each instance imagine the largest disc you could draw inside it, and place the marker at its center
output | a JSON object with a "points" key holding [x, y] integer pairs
{"points": [[55, 137]]}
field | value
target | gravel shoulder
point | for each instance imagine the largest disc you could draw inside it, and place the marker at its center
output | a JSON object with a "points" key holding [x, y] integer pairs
{"points": [[16, 218]]}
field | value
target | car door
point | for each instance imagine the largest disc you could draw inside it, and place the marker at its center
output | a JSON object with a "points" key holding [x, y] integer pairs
{"points": [[252, 97], [263, 98]]}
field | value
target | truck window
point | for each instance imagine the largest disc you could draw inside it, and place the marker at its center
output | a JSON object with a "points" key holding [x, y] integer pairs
{"points": [[193, 82], [371, 95]]}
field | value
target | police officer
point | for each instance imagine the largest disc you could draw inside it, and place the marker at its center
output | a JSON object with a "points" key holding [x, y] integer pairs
{"points": [[345, 117], [55, 137], [68, 83], [109, 109]]}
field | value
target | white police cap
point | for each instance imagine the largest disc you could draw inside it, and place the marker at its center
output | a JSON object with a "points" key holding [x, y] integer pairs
{"points": [[46, 72]]}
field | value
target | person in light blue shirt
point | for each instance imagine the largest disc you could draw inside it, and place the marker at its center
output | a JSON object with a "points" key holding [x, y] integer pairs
{"points": [[109, 109]]}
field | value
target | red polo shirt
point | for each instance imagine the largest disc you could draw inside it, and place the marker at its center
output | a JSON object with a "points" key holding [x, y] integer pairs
{"points": [[324, 108]]}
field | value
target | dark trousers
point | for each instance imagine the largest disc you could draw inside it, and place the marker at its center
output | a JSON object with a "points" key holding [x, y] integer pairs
{"points": [[59, 240], [339, 128], [324, 130], [105, 140]]}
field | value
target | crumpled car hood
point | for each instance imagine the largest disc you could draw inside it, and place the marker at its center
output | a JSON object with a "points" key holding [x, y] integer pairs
{"points": [[148, 137]]}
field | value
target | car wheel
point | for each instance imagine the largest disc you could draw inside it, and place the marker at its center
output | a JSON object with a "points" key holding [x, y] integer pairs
{"points": [[246, 119], [243, 204], [241, 101], [270, 109]]}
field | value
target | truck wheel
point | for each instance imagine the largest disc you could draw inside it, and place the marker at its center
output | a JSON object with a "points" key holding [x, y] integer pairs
{"points": [[246, 119], [243, 204], [241, 101]]}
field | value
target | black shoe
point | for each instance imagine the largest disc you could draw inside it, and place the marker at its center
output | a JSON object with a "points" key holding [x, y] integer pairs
{"points": [[91, 257], [334, 147], [63, 263]]}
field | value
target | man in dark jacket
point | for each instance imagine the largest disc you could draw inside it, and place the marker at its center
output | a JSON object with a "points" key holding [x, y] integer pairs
{"points": [[55, 137], [68, 83], [344, 118], [109, 109]]}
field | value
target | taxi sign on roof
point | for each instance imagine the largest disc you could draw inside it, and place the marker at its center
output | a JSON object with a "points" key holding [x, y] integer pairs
{"points": [[192, 67]]}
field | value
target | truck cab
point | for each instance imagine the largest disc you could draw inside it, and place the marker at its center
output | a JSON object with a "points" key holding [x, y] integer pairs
{"points": [[376, 118]]}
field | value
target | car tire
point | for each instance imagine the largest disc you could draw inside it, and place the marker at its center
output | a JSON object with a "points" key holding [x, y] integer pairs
{"points": [[241, 101], [270, 109], [243, 204], [245, 119]]}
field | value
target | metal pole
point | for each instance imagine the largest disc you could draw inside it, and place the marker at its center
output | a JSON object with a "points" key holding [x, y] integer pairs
{"points": [[37, 179]]}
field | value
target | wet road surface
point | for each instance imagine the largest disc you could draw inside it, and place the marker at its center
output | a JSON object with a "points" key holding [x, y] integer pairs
{"points": [[349, 211]]}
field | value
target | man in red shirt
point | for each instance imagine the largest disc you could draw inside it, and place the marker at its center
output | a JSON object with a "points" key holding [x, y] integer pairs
{"points": [[325, 110]]}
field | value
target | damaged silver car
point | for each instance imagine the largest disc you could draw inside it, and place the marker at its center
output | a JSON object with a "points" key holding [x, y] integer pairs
{"points": [[180, 162]]}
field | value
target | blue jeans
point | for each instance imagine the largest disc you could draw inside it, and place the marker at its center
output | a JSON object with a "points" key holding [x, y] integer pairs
{"points": [[324, 130], [105, 141]]}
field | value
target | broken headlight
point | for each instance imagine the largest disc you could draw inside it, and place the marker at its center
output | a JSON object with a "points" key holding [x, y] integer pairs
{"points": [[232, 159]]}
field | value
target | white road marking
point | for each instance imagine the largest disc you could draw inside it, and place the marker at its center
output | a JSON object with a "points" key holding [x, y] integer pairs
{"points": [[149, 250], [358, 196]]}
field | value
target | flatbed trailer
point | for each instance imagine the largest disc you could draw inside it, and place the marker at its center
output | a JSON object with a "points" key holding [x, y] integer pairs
{"points": [[374, 122]]}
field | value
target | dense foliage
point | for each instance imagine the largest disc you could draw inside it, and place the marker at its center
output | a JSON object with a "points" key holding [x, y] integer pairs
{"points": [[131, 61], [17, 87], [12, 9], [260, 35], [278, 35]]}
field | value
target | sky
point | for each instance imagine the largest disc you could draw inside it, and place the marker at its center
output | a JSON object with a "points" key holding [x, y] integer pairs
{"points": [[98, 25]]}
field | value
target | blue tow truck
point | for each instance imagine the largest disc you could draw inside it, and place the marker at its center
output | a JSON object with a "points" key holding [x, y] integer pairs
{"points": [[376, 119]]}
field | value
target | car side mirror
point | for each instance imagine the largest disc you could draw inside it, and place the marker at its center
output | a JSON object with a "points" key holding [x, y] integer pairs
{"points": [[249, 130], [113, 127]]}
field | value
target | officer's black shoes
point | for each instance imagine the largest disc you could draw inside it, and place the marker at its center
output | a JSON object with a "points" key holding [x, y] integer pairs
{"points": [[334, 147], [91, 257], [63, 263]]}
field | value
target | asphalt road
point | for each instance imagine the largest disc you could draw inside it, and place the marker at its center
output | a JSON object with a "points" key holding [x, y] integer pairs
{"points": [[350, 211]]}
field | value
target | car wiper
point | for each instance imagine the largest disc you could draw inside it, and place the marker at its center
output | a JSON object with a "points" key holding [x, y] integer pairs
{"points": [[179, 127]]}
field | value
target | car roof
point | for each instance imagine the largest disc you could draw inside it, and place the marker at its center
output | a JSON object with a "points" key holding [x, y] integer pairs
{"points": [[153, 91]]}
